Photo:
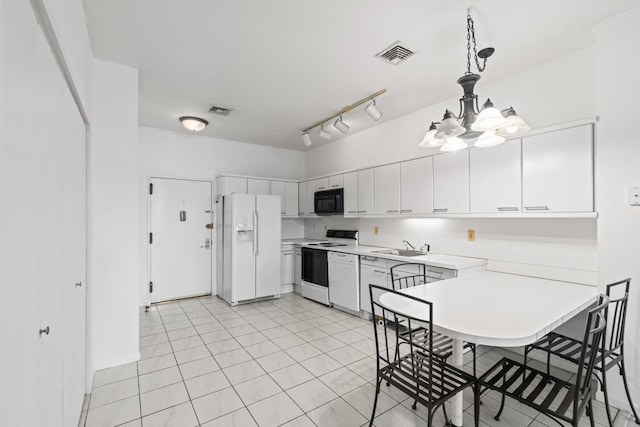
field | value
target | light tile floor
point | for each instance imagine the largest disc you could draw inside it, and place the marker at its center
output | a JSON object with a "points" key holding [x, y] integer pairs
{"points": [[288, 362]]}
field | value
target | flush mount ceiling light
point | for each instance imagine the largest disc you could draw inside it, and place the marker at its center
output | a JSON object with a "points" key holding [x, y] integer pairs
{"points": [[339, 124], [194, 124], [486, 126]]}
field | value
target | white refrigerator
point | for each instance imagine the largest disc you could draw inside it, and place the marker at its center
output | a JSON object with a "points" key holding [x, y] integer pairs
{"points": [[250, 258]]}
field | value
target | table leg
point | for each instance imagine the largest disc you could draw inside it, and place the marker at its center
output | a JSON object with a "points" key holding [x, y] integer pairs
{"points": [[456, 402]]}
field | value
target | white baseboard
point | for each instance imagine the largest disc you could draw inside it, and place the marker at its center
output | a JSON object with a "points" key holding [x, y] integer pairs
{"points": [[286, 289]]}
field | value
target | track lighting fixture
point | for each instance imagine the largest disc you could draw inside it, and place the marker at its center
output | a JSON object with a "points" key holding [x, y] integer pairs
{"points": [[306, 139], [323, 133], [487, 126], [371, 109], [340, 125], [194, 124]]}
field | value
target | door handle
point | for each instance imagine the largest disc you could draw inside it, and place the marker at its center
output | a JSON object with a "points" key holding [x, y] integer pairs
{"points": [[78, 284], [207, 243], [44, 331]]}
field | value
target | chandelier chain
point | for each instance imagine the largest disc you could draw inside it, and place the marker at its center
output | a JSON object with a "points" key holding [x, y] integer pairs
{"points": [[471, 38]]}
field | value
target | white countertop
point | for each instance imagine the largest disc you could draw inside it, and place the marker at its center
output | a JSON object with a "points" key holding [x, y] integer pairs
{"points": [[436, 260], [497, 309]]}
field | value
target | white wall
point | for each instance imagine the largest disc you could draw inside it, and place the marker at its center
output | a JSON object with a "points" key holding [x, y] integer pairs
{"points": [[618, 167], [559, 248], [183, 155], [113, 219]]}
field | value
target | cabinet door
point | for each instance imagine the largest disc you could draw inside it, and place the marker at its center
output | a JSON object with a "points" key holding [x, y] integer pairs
{"points": [[350, 194], [365, 192], [557, 171], [387, 189], [495, 184], [336, 181], [375, 274], [322, 184], [451, 182], [257, 186], [311, 190], [291, 198], [278, 189], [286, 266], [233, 185], [302, 198], [416, 186]]}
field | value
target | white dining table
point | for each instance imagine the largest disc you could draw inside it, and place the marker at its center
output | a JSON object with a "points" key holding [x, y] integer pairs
{"points": [[494, 309]]}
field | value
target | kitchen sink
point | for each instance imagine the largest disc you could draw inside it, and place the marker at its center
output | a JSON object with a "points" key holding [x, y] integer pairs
{"points": [[400, 252]]}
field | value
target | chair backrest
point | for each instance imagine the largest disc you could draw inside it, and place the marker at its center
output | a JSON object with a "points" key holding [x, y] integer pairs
{"points": [[593, 333], [394, 313], [407, 274], [616, 314]]}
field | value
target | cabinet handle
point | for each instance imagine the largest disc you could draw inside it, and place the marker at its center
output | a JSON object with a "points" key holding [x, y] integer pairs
{"points": [[335, 186], [537, 208], [352, 211], [380, 271], [369, 258], [362, 211], [287, 253], [78, 284], [507, 209], [440, 210], [392, 210], [406, 210], [321, 188], [44, 331]]}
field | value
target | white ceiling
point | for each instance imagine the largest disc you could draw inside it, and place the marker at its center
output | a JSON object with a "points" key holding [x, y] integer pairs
{"points": [[282, 65]]}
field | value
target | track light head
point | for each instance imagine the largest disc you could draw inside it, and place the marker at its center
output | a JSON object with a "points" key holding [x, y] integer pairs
{"points": [[373, 111], [306, 139], [340, 125], [323, 133]]}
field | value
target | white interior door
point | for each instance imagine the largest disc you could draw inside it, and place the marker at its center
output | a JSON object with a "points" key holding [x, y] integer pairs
{"points": [[181, 243]]}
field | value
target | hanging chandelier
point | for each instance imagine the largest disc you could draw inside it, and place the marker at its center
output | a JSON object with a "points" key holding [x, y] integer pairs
{"points": [[484, 127]]}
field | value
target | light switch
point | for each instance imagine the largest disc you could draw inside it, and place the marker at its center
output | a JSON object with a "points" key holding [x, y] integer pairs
{"points": [[633, 196]]}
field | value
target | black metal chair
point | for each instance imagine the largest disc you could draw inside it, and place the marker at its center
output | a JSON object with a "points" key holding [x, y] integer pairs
{"points": [[442, 344], [407, 365], [558, 399], [611, 350]]}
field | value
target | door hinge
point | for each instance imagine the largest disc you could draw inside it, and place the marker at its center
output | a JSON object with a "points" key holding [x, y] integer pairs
{"points": [[151, 188], [150, 238], [150, 287]]}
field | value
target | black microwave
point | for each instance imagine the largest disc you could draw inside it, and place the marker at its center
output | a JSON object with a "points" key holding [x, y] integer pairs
{"points": [[329, 202]]}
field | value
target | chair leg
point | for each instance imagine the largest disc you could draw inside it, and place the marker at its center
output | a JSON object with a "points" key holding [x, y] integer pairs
{"points": [[375, 402], [497, 417], [591, 414], [606, 397], [476, 403], [626, 388]]}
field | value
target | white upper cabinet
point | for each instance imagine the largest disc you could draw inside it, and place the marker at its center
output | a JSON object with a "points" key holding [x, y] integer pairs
{"points": [[365, 192], [288, 192], [258, 186], [231, 185], [311, 191], [557, 171], [451, 182], [322, 184], [277, 189], [496, 178], [387, 189], [336, 181], [291, 198], [416, 186], [350, 194], [302, 198]]}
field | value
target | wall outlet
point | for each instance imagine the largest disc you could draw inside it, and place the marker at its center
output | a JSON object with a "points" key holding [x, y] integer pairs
{"points": [[376, 230], [471, 235]]}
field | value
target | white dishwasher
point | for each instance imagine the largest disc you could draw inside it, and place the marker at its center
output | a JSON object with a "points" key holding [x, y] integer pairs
{"points": [[344, 281]]}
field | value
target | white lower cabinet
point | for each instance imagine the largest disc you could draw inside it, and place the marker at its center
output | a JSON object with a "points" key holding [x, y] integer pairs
{"points": [[297, 266], [557, 171], [372, 271], [451, 182], [286, 265], [495, 178]]}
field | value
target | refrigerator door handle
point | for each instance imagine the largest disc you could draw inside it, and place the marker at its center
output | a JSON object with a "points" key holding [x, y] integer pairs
{"points": [[255, 234]]}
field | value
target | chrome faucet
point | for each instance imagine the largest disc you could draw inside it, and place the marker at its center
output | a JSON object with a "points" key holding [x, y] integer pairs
{"points": [[425, 246], [409, 245]]}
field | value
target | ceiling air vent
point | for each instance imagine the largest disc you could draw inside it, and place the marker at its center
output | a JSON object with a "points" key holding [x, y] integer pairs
{"points": [[221, 111], [395, 54]]}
